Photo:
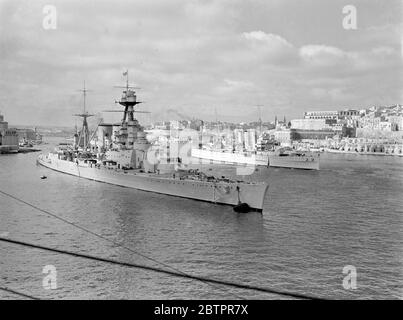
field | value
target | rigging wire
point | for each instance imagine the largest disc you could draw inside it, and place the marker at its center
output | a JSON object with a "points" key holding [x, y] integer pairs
{"points": [[21, 294], [158, 270], [175, 272], [104, 238]]}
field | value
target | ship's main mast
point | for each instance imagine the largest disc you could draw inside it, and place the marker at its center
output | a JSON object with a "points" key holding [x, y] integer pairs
{"points": [[128, 100]]}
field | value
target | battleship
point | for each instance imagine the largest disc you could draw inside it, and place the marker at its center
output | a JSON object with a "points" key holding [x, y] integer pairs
{"points": [[121, 156]]}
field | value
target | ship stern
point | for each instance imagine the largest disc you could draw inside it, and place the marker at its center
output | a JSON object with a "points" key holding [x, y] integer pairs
{"points": [[254, 195]]}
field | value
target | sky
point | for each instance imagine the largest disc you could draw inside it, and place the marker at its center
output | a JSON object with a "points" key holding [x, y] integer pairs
{"points": [[198, 58]]}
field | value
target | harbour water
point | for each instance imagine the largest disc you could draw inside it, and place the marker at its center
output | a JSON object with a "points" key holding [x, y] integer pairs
{"points": [[314, 223]]}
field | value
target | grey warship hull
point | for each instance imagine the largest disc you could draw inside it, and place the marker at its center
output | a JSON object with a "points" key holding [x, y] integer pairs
{"points": [[220, 192]]}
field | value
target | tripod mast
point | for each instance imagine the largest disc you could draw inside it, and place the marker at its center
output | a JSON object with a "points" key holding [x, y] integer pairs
{"points": [[84, 133]]}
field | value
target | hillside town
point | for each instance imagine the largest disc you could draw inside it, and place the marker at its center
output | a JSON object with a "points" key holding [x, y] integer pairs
{"points": [[377, 130]]}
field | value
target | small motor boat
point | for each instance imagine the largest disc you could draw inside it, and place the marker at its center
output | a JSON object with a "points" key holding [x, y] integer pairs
{"points": [[43, 177]]}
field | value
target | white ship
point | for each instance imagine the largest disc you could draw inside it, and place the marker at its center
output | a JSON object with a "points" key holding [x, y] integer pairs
{"points": [[223, 156], [282, 157], [122, 158], [289, 158]]}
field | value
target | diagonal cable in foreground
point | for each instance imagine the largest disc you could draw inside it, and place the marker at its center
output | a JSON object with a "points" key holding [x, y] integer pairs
{"points": [[105, 238], [175, 272], [21, 294], [158, 270]]}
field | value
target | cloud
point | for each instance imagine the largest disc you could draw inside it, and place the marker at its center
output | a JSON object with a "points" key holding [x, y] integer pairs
{"points": [[269, 47], [314, 51], [272, 41], [194, 54], [231, 87], [332, 61]]}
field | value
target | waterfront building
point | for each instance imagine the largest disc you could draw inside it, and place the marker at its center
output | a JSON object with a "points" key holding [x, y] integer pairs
{"points": [[284, 137], [348, 113], [365, 146], [371, 133], [321, 115], [396, 121], [3, 124], [313, 124], [8, 137], [313, 134], [385, 126]]}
